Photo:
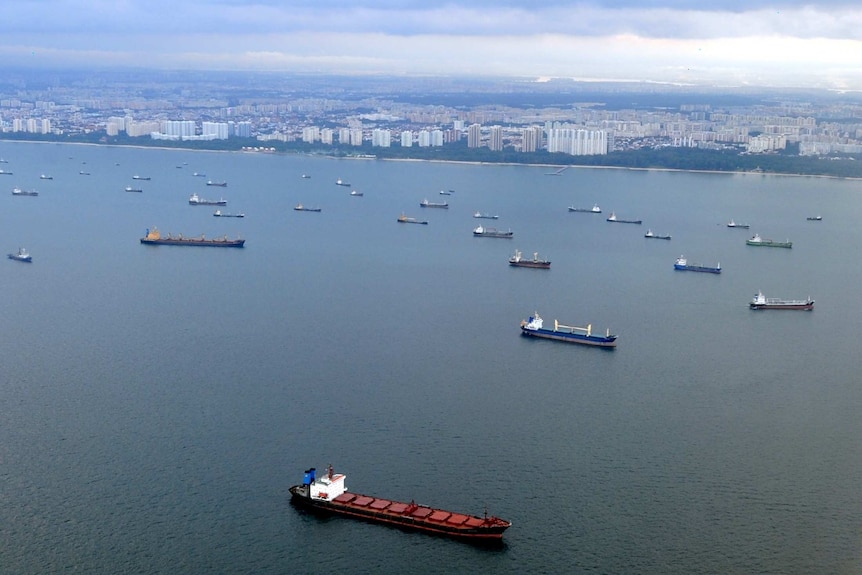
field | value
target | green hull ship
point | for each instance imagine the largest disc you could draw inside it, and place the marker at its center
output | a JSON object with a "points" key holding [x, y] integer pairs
{"points": [[758, 241]]}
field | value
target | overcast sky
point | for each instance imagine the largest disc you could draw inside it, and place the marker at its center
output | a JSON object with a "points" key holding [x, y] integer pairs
{"points": [[730, 42]]}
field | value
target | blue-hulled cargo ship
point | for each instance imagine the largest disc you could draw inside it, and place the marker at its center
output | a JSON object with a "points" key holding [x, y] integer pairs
{"points": [[683, 266], [533, 327]]}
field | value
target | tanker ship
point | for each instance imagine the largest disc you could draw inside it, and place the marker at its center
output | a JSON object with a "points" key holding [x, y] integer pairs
{"points": [[154, 237]]}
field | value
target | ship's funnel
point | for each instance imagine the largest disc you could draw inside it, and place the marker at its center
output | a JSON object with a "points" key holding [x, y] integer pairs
{"points": [[309, 476]]}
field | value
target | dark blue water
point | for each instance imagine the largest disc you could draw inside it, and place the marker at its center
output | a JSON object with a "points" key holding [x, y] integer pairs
{"points": [[158, 402]]}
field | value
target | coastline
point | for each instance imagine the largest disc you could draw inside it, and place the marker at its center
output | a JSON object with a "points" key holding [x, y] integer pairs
{"points": [[461, 162]]}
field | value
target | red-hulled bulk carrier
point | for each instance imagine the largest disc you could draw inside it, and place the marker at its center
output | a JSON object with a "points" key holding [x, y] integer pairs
{"points": [[328, 493]]}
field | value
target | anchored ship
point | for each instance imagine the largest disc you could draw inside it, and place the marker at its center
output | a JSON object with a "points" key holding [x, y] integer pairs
{"points": [[340, 182], [532, 327], [219, 184], [131, 189], [328, 494], [732, 224], [426, 204], [649, 234], [814, 218], [46, 177], [614, 219], [20, 192], [221, 214], [761, 302], [141, 178], [408, 220], [154, 237], [22, 255], [195, 200], [683, 265], [519, 261], [756, 240], [483, 232], [593, 210], [485, 216], [301, 208]]}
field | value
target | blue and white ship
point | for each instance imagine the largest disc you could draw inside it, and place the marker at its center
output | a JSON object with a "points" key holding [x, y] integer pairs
{"points": [[533, 327]]}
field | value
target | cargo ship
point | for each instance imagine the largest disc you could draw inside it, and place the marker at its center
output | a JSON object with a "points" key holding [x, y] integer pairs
{"points": [[683, 265], [614, 219], [732, 224], [649, 234], [218, 184], [426, 204], [519, 261], [328, 494], [483, 232], [593, 210], [221, 214], [761, 302], [356, 193], [756, 240], [46, 177], [20, 192], [301, 208], [340, 182], [147, 178], [154, 237], [485, 216], [814, 218], [195, 200], [532, 327], [21, 256], [131, 189], [408, 220]]}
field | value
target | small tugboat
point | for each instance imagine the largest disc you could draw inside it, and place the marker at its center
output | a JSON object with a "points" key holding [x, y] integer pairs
{"points": [[20, 192], [220, 214], [649, 234], [21, 256], [519, 261], [485, 216], [340, 182], [761, 302], [593, 210], [408, 220], [328, 494], [195, 200], [732, 224], [683, 266], [137, 177], [614, 219], [814, 218], [301, 208], [426, 204], [356, 193], [131, 189], [756, 240], [532, 327], [154, 237], [483, 232], [219, 184], [46, 177]]}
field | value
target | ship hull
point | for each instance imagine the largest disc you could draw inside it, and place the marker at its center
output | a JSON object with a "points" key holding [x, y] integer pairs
{"points": [[585, 211], [770, 244], [209, 203], [531, 264], [583, 339], [701, 269], [470, 529], [804, 306], [194, 242], [618, 221]]}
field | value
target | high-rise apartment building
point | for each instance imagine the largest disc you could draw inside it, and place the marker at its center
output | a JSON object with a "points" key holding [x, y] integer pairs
{"points": [[474, 136]]}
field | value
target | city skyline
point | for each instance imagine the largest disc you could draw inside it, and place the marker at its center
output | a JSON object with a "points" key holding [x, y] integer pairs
{"points": [[731, 43]]}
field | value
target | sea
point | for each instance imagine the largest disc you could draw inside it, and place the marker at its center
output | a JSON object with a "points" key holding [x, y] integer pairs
{"points": [[158, 402]]}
